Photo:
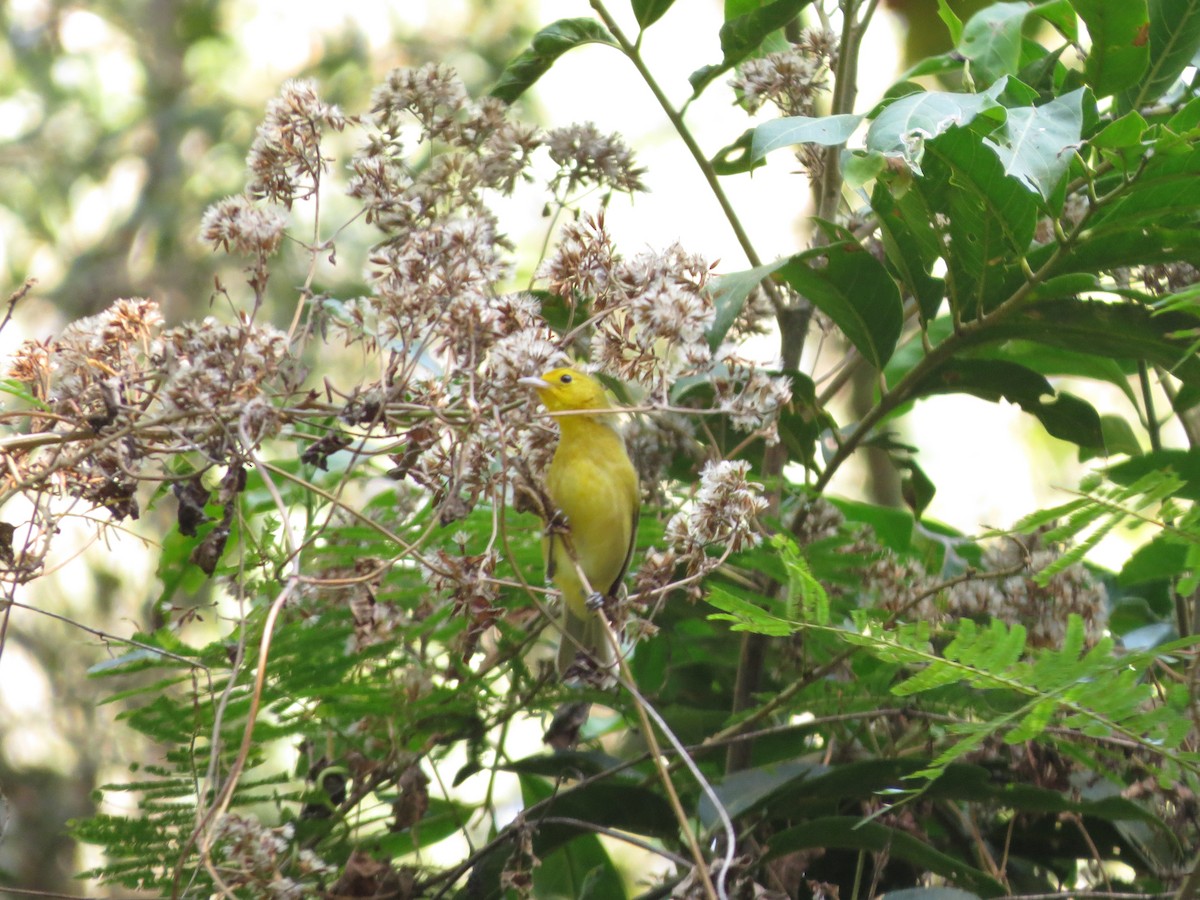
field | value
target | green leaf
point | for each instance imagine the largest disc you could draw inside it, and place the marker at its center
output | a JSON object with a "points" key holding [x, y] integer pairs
{"points": [[647, 12], [611, 804], [906, 125], [744, 615], [828, 131], [1036, 143], [931, 893], [580, 868], [1058, 361], [546, 47], [1174, 39], [802, 588], [952, 22], [1166, 189], [855, 290], [858, 167], [852, 833], [916, 487], [1060, 14], [1183, 463], [741, 792], [911, 244], [1164, 557], [1118, 55], [1121, 331], [990, 218], [734, 159], [991, 40], [1033, 723], [729, 296], [742, 34], [1119, 438], [1063, 415]]}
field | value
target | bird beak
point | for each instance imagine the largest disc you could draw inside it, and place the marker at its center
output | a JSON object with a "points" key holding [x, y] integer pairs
{"points": [[536, 382]]}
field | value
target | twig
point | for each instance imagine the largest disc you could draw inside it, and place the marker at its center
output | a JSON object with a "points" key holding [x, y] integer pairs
{"points": [[676, 119]]}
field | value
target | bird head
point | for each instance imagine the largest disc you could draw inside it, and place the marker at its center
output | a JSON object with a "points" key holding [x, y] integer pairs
{"points": [[566, 389]]}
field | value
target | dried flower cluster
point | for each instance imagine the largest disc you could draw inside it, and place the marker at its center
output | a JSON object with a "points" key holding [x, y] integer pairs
{"points": [[724, 511], [123, 394], [457, 337], [285, 161], [239, 225], [1018, 600], [902, 586], [585, 156], [470, 582], [794, 80], [1169, 278], [751, 398], [265, 859]]}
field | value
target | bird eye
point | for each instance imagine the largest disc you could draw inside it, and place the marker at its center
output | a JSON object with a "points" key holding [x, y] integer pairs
{"points": [[566, 379]]}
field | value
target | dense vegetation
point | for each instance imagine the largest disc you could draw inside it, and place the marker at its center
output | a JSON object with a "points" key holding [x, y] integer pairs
{"points": [[821, 697]]}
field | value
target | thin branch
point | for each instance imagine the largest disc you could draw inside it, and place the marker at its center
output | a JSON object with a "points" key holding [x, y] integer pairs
{"points": [[632, 51]]}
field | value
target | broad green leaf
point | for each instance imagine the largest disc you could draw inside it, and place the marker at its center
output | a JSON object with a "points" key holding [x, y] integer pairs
{"points": [[1166, 189], [1060, 14], [742, 792], [990, 218], [733, 159], [561, 764], [1036, 143], [854, 290], [951, 20], [1120, 331], [911, 243], [1184, 463], [546, 47], [729, 296], [742, 34], [1122, 139], [581, 868], [1162, 557], [853, 833], [647, 12], [904, 126], [1174, 39], [1187, 118], [991, 40], [1052, 361], [612, 804], [1119, 438], [1119, 54], [828, 131], [916, 487], [1063, 415], [858, 168]]}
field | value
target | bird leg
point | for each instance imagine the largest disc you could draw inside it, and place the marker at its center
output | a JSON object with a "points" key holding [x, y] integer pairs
{"points": [[557, 523]]}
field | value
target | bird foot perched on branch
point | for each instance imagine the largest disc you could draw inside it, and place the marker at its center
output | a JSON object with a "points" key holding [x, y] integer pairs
{"points": [[556, 522]]}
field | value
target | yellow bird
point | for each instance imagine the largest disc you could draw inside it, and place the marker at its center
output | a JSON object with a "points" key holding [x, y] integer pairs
{"points": [[593, 484]]}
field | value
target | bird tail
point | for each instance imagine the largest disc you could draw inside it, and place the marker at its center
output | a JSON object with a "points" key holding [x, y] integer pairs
{"points": [[588, 633]]}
